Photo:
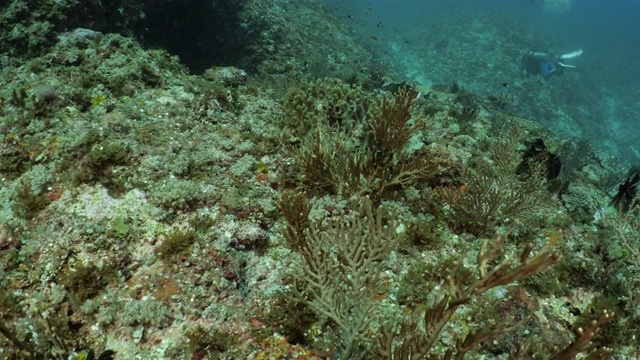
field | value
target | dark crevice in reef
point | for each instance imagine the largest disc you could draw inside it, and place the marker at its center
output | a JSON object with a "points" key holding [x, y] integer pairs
{"points": [[203, 33]]}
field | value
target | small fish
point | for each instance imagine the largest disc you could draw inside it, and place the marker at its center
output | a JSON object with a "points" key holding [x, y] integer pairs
{"points": [[373, 37]]}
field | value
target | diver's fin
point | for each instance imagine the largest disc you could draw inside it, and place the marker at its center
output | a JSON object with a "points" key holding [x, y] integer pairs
{"points": [[571, 55], [567, 66]]}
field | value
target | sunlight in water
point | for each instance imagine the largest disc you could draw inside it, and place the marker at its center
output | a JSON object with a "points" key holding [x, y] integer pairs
{"points": [[558, 6]]}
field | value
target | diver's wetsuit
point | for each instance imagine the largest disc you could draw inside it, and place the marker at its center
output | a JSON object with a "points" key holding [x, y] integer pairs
{"points": [[540, 63]]}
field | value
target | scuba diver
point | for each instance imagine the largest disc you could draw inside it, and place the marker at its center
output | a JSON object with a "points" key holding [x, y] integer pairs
{"points": [[546, 64]]}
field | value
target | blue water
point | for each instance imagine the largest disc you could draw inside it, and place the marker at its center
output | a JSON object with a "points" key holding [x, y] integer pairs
{"points": [[480, 43]]}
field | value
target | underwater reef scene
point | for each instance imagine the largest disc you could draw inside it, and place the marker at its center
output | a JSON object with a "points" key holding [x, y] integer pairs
{"points": [[294, 179]]}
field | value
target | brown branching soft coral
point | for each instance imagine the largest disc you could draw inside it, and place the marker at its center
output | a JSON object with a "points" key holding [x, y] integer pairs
{"points": [[408, 340], [341, 270], [493, 193], [357, 153]]}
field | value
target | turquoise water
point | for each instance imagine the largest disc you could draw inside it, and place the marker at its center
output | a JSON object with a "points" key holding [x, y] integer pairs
{"points": [[480, 45]]}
